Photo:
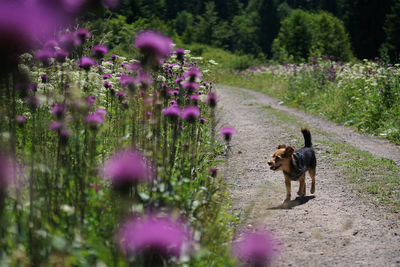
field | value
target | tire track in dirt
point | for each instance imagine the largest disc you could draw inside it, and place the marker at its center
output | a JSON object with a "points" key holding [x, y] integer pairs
{"points": [[336, 228]]}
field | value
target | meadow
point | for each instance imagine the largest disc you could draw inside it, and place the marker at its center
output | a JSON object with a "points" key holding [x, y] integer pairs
{"points": [[364, 94]]}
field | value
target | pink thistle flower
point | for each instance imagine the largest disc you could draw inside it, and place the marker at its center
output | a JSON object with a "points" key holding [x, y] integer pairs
{"points": [[126, 80], [121, 94], [44, 78], [203, 120], [212, 99], [213, 172], [56, 126], [82, 34], [68, 41], [94, 120], [153, 45], [60, 55], [195, 98], [101, 111], [44, 56], [86, 62], [107, 84], [21, 120], [127, 168], [191, 113], [156, 234], [100, 50], [58, 110], [227, 133], [143, 80], [90, 100], [193, 74], [172, 112], [107, 76], [255, 248]]}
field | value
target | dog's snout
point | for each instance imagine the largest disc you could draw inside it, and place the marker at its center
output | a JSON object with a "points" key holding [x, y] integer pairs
{"points": [[269, 163]]}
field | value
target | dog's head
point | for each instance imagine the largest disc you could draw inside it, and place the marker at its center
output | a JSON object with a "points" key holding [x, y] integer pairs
{"points": [[281, 157]]}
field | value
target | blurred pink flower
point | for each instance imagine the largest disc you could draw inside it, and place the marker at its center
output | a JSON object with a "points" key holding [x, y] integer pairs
{"points": [[154, 233], [153, 45]]}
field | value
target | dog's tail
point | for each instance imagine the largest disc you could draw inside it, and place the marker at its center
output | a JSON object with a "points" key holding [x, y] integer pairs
{"points": [[307, 137]]}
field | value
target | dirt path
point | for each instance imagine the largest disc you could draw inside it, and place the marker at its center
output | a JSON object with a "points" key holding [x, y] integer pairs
{"points": [[336, 228]]}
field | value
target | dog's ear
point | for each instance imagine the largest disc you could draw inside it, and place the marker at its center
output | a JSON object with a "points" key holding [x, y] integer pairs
{"points": [[288, 152], [281, 146]]}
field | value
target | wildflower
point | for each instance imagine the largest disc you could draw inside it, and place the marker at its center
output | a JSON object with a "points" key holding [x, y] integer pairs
{"points": [[44, 78], [213, 172], [107, 84], [172, 112], [121, 94], [101, 111], [180, 54], [212, 99], [21, 120], [227, 132], [94, 120], [191, 113], [191, 86], [113, 57], [254, 248], [127, 168], [60, 55], [193, 74], [154, 234], [126, 80], [203, 120], [179, 80], [154, 46], [82, 34], [32, 102], [44, 56], [56, 125], [100, 50], [68, 41], [58, 110], [143, 79], [50, 45], [90, 100], [86, 62], [106, 76]]}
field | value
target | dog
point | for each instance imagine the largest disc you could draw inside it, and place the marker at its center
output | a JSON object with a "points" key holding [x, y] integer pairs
{"points": [[295, 163]]}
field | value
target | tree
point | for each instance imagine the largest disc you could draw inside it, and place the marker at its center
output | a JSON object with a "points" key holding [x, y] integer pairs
{"points": [[205, 29], [303, 33], [392, 32]]}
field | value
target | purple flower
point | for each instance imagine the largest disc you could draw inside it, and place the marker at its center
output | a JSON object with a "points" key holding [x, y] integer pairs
{"points": [[82, 34], [58, 110], [213, 172], [20, 119], [100, 50], [90, 100], [56, 125], [44, 56], [127, 168], [193, 74], [68, 41], [44, 78], [106, 76], [153, 45], [113, 57], [60, 55], [191, 113], [212, 99], [227, 132], [50, 45], [203, 120], [121, 94], [22, 28], [255, 248], [179, 80], [86, 62], [142, 80], [162, 235], [101, 111], [107, 84], [94, 120], [172, 112], [180, 54], [126, 80], [191, 86], [195, 98]]}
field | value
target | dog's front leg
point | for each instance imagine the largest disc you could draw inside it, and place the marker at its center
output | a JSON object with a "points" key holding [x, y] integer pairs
{"points": [[288, 188]]}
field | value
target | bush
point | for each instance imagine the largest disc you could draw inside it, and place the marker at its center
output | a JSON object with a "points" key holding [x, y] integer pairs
{"points": [[304, 34]]}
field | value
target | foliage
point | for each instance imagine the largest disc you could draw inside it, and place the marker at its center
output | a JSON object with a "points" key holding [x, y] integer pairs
{"points": [[303, 34], [363, 95], [63, 213]]}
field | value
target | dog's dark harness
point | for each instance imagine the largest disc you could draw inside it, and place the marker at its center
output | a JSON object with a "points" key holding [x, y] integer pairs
{"points": [[297, 167]]}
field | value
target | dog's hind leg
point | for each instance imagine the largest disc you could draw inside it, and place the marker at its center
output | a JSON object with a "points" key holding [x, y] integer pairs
{"points": [[302, 186], [312, 175]]}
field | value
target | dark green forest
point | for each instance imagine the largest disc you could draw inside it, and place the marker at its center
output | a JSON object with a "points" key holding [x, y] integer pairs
{"points": [[363, 28]]}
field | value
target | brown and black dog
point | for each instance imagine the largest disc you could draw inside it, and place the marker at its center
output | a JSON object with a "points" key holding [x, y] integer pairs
{"points": [[295, 164]]}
